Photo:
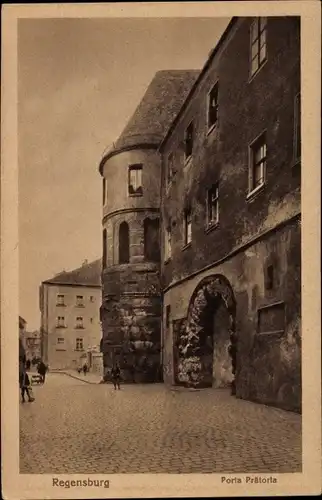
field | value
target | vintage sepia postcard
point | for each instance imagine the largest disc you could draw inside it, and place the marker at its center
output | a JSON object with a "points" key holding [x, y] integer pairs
{"points": [[160, 271]]}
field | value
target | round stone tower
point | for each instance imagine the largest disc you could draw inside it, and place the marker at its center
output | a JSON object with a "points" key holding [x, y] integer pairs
{"points": [[131, 171]]}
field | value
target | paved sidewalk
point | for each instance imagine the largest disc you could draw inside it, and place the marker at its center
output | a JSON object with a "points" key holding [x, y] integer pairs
{"points": [[89, 378]]}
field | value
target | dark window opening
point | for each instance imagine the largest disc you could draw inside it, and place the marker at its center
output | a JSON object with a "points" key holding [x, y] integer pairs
{"points": [[213, 205], [104, 248], [124, 243], [167, 316], [151, 240], [167, 242], [213, 106], [135, 180], [187, 227], [258, 163], [188, 141]]}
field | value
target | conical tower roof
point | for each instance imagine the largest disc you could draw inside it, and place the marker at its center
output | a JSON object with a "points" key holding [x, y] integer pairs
{"points": [[157, 109]]}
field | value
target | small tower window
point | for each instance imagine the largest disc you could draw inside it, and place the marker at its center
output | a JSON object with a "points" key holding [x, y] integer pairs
{"points": [[135, 180]]}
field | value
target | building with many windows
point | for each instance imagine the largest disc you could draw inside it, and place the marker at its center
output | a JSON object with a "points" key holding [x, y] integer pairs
{"points": [[229, 170], [70, 323]]}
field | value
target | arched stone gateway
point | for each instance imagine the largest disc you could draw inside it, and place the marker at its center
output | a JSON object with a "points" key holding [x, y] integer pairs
{"points": [[207, 345]]}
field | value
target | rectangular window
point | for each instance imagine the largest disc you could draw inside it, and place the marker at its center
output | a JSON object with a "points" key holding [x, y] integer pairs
{"points": [[213, 205], [135, 180], [91, 298], [213, 106], [258, 156], [168, 238], [79, 322], [60, 322], [297, 128], [258, 43], [167, 316], [271, 319], [60, 300], [188, 141], [79, 301], [170, 168], [79, 344], [60, 340], [187, 227]]}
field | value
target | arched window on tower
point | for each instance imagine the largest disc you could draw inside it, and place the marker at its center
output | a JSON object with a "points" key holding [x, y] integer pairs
{"points": [[151, 240], [124, 243], [104, 248]]}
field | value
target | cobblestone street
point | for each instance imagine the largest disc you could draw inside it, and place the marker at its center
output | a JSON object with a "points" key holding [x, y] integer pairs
{"points": [[76, 427]]}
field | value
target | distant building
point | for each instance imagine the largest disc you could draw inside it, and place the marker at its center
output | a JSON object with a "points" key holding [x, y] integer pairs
{"points": [[32, 342], [70, 323]]}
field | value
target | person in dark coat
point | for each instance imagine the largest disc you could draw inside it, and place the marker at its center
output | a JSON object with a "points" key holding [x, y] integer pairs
{"points": [[42, 369], [85, 369], [116, 376], [24, 384]]}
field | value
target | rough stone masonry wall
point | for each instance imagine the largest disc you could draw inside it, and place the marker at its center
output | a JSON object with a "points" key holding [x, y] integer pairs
{"points": [[131, 319]]}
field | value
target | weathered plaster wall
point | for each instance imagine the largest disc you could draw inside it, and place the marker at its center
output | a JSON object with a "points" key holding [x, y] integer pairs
{"points": [[247, 107], [115, 171], [268, 365]]}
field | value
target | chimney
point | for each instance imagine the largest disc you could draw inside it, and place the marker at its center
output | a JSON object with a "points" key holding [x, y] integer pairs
{"points": [[85, 262]]}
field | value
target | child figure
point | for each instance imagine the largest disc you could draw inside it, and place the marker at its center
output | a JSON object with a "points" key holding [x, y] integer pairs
{"points": [[116, 376]]}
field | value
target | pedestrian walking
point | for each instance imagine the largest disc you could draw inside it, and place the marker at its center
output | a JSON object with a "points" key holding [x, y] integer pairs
{"points": [[116, 376], [25, 386], [42, 369], [85, 369]]}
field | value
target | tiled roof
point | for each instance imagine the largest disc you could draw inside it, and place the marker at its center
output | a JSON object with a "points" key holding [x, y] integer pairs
{"points": [[87, 274], [158, 107]]}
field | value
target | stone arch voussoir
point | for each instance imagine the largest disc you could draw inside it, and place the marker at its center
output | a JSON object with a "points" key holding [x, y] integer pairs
{"points": [[207, 291]]}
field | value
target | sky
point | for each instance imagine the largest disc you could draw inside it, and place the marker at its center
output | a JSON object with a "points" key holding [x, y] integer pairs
{"points": [[79, 81]]}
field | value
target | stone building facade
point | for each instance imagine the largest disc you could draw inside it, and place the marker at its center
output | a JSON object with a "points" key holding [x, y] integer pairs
{"points": [[219, 162], [70, 323], [131, 172], [231, 219]]}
